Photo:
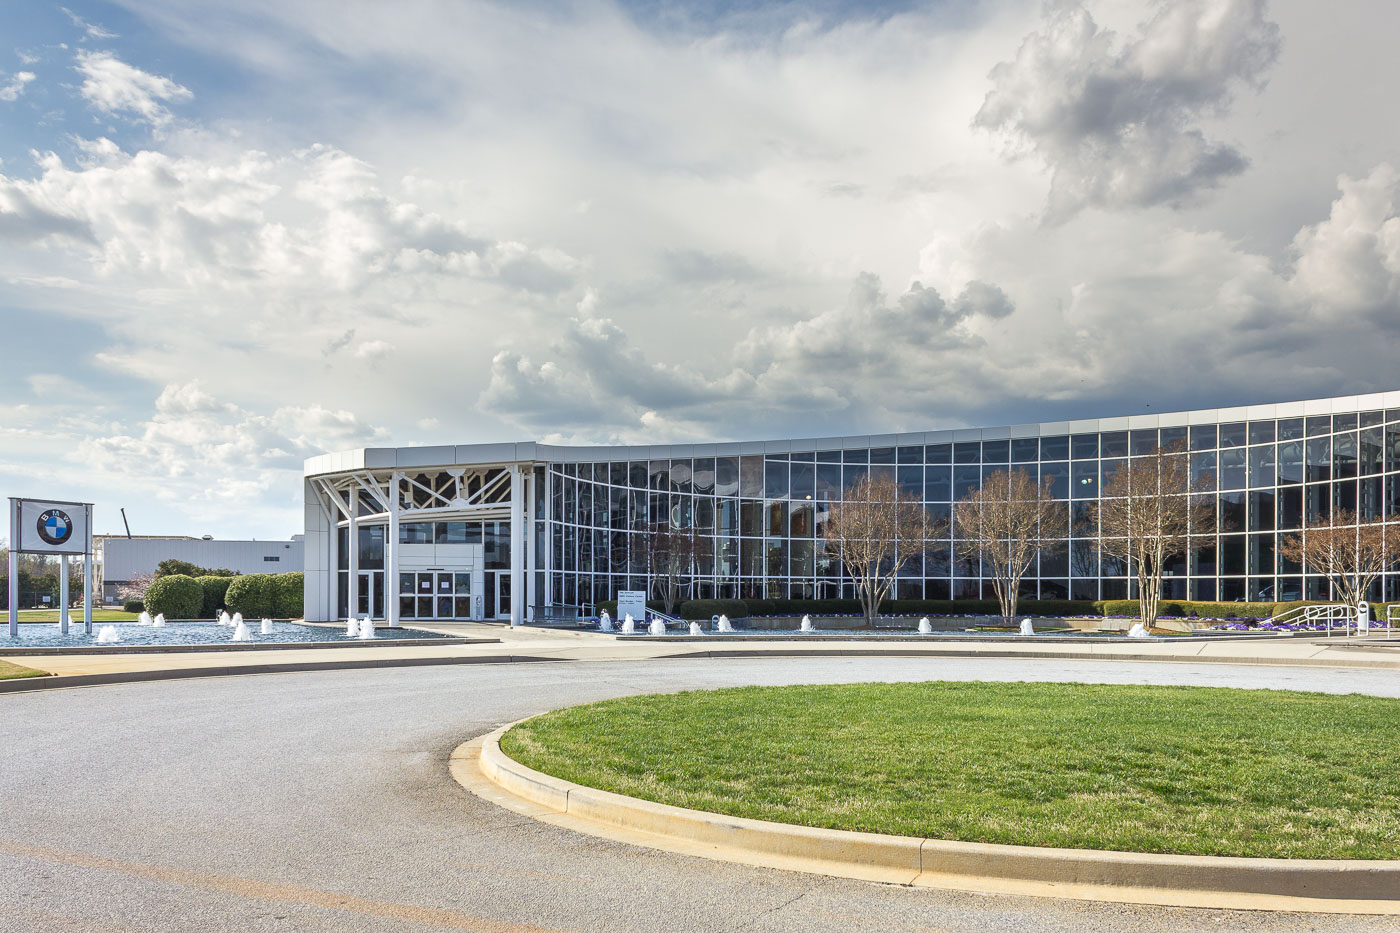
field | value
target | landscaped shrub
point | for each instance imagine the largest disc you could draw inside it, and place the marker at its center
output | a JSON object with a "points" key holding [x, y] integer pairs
{"points": [[133, 605], [215, 589], [253, 594], [703, 609], [289, 600], [176, 597]]}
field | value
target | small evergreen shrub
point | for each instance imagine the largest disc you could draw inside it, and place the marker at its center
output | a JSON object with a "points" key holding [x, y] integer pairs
{"points": [[176, 597], [289, 597], [252, 594], [133, 605], [215, 589]]}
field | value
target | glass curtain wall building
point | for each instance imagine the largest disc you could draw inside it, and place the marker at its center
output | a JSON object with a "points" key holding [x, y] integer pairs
{"points": [[759, 507]]}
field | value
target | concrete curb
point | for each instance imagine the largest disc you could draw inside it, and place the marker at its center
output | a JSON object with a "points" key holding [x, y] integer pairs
{"points": [[51, 651], [1318, 885], [953, 652], [55, 682]]}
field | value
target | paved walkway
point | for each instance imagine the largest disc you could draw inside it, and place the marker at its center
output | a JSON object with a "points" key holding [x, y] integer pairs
{"points": [[527, 643], [322, 802]]}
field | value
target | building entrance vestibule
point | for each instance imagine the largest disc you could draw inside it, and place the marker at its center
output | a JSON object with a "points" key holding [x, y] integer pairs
{"points": [[437, 594]]}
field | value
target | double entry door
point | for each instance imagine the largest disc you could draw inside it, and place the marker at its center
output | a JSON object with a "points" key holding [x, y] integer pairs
{"points": [[437, 594]]}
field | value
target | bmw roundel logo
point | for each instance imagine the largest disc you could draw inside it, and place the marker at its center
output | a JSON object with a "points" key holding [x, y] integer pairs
{"points": [[55, 527]]}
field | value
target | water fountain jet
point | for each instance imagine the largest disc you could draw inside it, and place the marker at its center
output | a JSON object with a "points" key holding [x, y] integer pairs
{"points": [[267, 626], [724, 625], [1026, 627], [925, 626], [806, 624], [367, 627], [629, 625], [1138, 631], [657, 627], [159, 620], [241, 632], [695, 629], [605, 621], [107, 635], [144, 618]]}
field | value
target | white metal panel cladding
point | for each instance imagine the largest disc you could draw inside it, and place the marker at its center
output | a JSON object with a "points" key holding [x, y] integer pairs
{"points": [[123, 558]]}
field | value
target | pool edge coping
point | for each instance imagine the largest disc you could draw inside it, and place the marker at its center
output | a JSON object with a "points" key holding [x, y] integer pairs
{"points": [[1351, 885]]}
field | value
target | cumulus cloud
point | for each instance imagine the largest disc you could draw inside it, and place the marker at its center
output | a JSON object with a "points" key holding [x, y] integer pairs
{"points": [[1118, 123], [112, 86], [372, 351], [868, 359], [206, 451], [13, 88]]}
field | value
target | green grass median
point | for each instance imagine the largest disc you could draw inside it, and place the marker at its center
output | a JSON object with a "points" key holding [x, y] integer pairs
{"points": [[1193, 770], [10, 671]]}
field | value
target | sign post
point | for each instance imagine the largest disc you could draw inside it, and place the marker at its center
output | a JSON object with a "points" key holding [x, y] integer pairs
{"points": [[51, 528]]}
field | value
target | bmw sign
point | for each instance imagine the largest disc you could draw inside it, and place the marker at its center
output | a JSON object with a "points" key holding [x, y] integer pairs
{"points": [[55, 527], [49, 527]]}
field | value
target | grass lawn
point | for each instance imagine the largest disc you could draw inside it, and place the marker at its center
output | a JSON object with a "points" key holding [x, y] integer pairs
{"points": [[1206, 771], [76, 615], [10, 671]]}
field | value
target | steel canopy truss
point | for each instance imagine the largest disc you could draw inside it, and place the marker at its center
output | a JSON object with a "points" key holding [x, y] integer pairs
{"points": [[392, 496]]}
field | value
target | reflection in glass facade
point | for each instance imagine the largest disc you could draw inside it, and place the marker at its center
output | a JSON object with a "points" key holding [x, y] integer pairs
{"points": [[760, 510]]}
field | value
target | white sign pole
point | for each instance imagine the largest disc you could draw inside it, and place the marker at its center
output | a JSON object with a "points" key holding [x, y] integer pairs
{"points": [[63, 594], [87, 578], [14, 568]]}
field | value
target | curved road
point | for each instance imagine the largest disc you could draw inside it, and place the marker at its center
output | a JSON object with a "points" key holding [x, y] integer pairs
{"points": [[322, 802]]}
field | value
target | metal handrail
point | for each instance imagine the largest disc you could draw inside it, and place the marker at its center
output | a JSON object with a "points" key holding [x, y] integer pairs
{"points": [[667, 619]]}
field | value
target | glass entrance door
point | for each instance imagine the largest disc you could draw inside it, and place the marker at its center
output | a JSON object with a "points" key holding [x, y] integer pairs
{"points": [[435, 594], [370, 598]]}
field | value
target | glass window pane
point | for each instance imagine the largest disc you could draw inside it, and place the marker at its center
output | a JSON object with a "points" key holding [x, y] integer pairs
{"points": [[1203, 437], [995, 451], [828, 481], [1232, 435], [727, 476], [1261, 466], [1054, 448], [1113, 444], [775, 479], [1084, 446], [1344, 456], [967, 452], [1169, 436], [1290, 429], [1085, 480], [1290, 462], [882, 455], [1232, 468], [1143, 441], [937, 483], [938, 453], [1058, 475], [1025, 450], [1261, 432]]}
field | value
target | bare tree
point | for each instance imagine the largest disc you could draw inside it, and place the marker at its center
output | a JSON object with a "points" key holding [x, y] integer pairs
{"points": [[876, 528], [671, 556], [1351, 552], [1144, 514], [1001, 523]]}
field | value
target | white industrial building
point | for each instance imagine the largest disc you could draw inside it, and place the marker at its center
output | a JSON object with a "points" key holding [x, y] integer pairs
{"points": [[123, 558]]}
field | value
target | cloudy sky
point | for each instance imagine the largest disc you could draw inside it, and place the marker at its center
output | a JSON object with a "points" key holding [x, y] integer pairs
{"points": [[236, 235]]}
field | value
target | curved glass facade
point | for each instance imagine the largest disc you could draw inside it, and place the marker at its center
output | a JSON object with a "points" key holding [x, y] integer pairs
{"points": [[760, 515]]}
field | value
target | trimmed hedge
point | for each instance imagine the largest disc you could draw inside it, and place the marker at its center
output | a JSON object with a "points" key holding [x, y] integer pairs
{"points": [[703, 609], [133, 605], [289, 598], [253, 594], [176, 597], [215, 589]]}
